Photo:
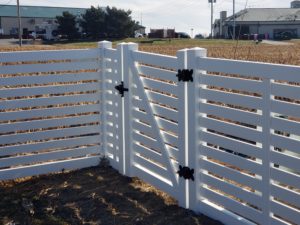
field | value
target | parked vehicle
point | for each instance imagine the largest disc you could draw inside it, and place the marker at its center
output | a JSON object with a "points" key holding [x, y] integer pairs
{"points": [[182, 35]]}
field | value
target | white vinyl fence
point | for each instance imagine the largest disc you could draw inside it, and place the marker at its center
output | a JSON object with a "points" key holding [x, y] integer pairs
{"points": [[220, 136]]}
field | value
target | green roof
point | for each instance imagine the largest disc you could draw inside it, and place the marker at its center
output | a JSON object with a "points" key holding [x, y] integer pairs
{"points": [[38, 11]]}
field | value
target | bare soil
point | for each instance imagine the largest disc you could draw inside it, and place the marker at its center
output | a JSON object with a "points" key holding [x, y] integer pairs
{"points": [[98, 195]]}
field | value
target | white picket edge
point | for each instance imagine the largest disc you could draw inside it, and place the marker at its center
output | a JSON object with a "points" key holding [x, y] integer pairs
{"points": [[50, 67], [285, 177], [153, 59], [285, 143], [233, 205], [231, 98], [232, 189], [289, 161], [285, 108], [231, 113], [160, 86], [157, 73], [51, 167], [53, 89], [48, 156], [47, 101], [47, 55], [46, 79], [285, 90], [232, 159], [287, 212], [285, 194], [55, 111], [57, 133], [254, 69], [247, 85], [49, 145], [289, 126], [231, 129], [231, 174]]}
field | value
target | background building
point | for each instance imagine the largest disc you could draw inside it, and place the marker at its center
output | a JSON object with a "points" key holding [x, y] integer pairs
{"points": [[32, 16], [264, 23]]}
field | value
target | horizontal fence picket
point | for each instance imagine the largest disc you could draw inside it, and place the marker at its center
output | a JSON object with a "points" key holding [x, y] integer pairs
{"points": [[110, 53], [285, 143], [48, 101], [284, 90], [155, 179], [285, 177], [168, 138], [231, 144], [16, 138], [285, 194], [145, 140], [228, 188], [55, 89], [285, 160], [288, 213], [232, 83], [234, 160], [231, 129], [50, 67], [233, 205], [285, 108], [147, 153], [247, 68], [157, 109], [231, 174], [150, 165], [51, 167], [162, 123], [31, 56], [158, 60], [160, 86], [159, 97], [38, 113], [48, 156], [48, 145], [231, 113], [284, 125], [231, 98], [47, 123], [157, 73], [46, 79]]}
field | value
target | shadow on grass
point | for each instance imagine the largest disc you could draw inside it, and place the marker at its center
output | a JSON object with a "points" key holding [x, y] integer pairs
{"points": [[90, 196]]}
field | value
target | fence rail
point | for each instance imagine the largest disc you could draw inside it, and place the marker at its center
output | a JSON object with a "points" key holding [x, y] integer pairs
{"points": [[225, 144]]}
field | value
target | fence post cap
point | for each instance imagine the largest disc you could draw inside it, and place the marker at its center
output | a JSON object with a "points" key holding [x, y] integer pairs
{"points": [[104, 44]]}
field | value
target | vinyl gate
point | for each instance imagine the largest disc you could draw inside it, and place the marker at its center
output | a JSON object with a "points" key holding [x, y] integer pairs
{"points": [[231, 128]]}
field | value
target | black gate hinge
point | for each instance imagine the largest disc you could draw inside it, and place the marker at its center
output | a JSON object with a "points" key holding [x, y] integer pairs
{"points": [[121, 89], [185, 75], [186, 173]]}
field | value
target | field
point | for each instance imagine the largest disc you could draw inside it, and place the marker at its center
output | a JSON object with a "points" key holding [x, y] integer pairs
{"points": [[244, 50]]}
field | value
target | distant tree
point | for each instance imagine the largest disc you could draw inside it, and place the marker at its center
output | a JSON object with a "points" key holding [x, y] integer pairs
{"points": [[67, 25], [119, 24], [93, 22]]}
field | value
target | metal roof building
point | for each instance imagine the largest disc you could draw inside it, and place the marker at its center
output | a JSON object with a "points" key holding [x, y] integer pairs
{"points": [[273, 23], [31, 16]]}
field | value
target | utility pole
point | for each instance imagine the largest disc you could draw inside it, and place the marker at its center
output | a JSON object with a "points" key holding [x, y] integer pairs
{"points": [[19, 20], [212, 17], [234, 22]]}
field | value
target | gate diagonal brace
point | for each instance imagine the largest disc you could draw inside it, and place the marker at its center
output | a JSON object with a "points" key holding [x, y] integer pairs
{"points": [[186, 173], [121, 89], [185, 75]]}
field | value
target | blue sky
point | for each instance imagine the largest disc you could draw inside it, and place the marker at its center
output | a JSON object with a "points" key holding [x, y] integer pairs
{"points": [[182, 15]]}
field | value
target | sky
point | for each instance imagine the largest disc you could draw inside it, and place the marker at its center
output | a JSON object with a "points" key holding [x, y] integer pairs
{"points": [[183, 15]]}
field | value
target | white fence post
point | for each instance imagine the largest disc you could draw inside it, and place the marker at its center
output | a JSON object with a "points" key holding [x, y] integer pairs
{"points": [[128, 64], [266, 147], [193, 123], [102, 46], [183, 130]]}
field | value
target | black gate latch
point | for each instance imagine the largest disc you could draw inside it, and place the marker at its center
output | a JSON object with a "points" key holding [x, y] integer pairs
{"points": [[186, 173], [185, 75], [121, 89]]}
